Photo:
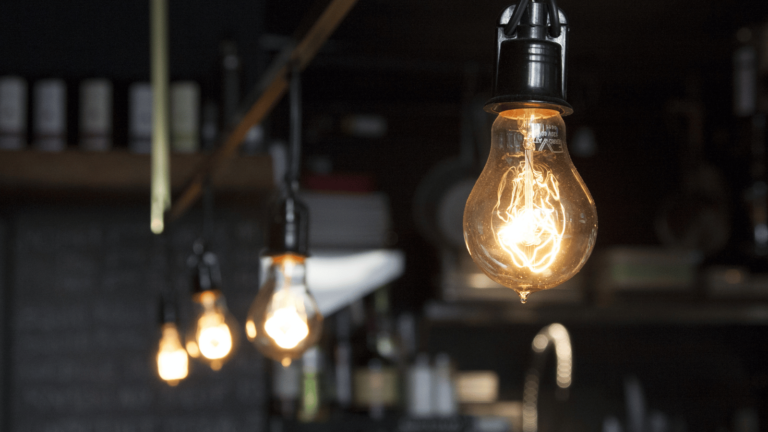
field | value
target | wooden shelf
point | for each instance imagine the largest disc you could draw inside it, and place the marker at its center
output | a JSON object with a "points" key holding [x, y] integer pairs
{"points": [[645, 313], [120, 171]]}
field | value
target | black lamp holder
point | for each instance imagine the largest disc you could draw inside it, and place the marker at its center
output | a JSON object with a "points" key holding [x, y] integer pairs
{"points": [[206, 271], [167, 311], [531, 47], [288, 230]]}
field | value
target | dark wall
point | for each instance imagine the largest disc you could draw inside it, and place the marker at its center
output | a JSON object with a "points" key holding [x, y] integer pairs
{"points": [[83, 325], [83, 38], [700, 373]]}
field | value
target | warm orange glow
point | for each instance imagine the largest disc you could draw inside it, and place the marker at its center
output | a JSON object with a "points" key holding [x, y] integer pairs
{"points": [[532, 224], [172, 361], [250, 329], [287, 325], [286, 321], [192, 349], [529, 114], [214, 339]]}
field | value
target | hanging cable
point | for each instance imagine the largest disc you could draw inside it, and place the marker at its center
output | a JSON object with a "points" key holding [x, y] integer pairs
{"points": [[511, 26], [294, 167], [554, 18], [207, 234]]}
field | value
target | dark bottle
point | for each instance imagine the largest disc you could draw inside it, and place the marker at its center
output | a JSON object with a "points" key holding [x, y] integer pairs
{"points": [[312, 403], [342, 375], [376, 381], [286, 387]]}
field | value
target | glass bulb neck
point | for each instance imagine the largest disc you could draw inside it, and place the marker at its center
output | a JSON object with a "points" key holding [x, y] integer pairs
{"points": [[289, 270]]}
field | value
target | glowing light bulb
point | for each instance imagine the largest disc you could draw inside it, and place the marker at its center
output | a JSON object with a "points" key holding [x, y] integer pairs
{"points": [[530, 222], [284, 320], [212, 337], [172, 361], [287, 321], [215, 340]]}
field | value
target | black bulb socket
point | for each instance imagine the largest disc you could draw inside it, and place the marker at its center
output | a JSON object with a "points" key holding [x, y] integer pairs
{"points": [[530, 63], [288, 230], [207, 274], [166, 311]]}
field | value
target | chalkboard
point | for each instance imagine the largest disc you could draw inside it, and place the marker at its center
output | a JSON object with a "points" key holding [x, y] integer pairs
{"points": [[84, 332]]}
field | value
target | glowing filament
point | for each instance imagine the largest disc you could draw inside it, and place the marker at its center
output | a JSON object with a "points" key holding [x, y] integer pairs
{"points": [[531, 221], [286, 321], [214, 338], [172, 361]]}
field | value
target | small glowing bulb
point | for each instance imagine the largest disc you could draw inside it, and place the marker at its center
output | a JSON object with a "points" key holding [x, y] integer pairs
{"points": [[530, 222], [215, 339], [284, 321], [287, 327], [172, 361], [212, 338]]}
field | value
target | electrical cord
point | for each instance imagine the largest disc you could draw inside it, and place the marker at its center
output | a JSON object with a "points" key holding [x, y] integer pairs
{"points": [[511, 26], [554, 18]]}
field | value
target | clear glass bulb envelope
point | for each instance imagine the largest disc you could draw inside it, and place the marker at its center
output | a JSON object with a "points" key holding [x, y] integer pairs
{"points": [[530, 222]]}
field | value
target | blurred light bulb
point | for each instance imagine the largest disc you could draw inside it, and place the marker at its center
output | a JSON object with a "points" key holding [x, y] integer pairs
{"points": [[284, 320], [172, 361], [192, 349], [212, 334], [287, 322], [530, 222], [215, 337]]}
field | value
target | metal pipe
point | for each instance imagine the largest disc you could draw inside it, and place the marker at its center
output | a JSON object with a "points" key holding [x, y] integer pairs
{"points": [[161, 173]]}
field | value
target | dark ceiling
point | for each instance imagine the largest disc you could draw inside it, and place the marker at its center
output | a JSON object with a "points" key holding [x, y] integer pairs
{"points": [[415, 61]]}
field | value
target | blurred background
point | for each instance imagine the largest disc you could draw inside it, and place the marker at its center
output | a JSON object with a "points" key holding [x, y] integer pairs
{"points": [[667, 321]]}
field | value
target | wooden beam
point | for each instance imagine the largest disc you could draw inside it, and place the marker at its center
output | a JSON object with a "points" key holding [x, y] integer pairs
{"points": [[269, 91], [119, 172]]}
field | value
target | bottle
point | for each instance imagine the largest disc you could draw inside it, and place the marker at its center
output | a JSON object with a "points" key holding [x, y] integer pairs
{"points": [[444, 402], [96, 115], [376, 382], [50, 120], [343, 361], [286, 387], [419, 398], [417, 373], [311, 408], [140, 118], [13, 113], [185, 117]]}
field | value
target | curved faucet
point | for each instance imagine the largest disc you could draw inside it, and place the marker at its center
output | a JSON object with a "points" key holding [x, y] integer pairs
{"points": [[552, 335]]}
